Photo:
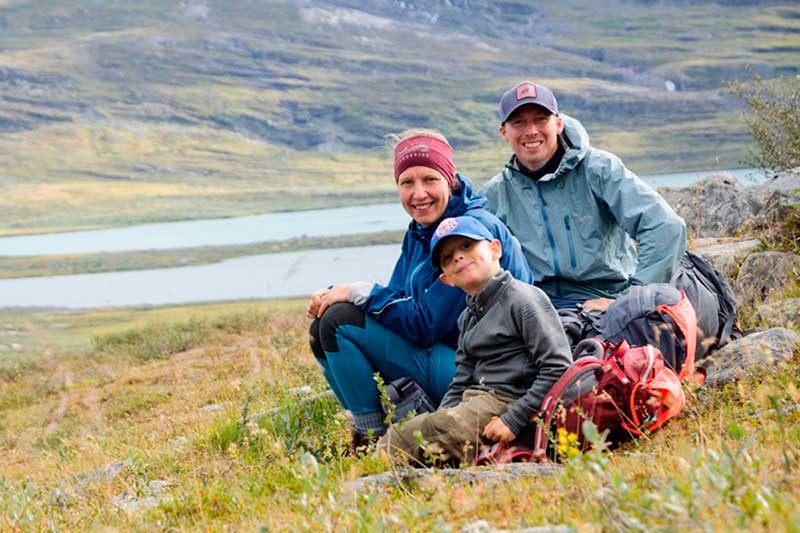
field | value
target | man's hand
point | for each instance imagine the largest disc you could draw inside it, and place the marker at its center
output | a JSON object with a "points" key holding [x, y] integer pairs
{"points": [[598, 304], [324, 298], [497, 430]]}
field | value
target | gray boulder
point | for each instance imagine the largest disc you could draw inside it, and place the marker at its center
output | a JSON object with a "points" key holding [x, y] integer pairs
{"points": [[773, 200], [720, 206], [715, 207], [496, 474], [724, 254], [782, 313], [762, 350], [762, 274]]}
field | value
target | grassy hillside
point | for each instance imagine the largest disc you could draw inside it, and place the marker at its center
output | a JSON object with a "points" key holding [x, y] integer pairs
{"points": [[209, 417], [113, 113]]}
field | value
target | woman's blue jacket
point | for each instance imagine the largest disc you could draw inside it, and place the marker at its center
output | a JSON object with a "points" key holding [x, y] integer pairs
{"points": [[416, 304]]}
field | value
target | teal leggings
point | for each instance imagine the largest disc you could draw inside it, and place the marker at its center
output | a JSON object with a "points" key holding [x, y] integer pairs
{"points": [[351, 347]]}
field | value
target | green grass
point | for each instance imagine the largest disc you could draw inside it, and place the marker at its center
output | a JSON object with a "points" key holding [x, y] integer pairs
{"points": [[270, 452]]}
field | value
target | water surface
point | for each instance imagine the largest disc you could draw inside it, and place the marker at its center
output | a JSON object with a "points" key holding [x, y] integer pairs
{"points": [[259, 228], [260, 276]]}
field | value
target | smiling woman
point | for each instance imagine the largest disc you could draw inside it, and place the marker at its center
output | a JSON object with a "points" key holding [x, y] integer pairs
{"points": [[408, 327]]}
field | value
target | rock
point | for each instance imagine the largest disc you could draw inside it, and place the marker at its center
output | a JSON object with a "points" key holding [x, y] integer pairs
{"points": [[782, 313], [107, 473], [179, 443], [714, 207], [761, 274], [787, 182], [720, 206], [258, 417], [482, 526], [724, 254], [763, 349], [77, 485], [212, 408], [60, 498], [134, 501], [774, 199], [495, 474]]}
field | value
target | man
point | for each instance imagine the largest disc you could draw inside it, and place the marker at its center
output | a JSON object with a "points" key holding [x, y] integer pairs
{"points": [[577, 210]]}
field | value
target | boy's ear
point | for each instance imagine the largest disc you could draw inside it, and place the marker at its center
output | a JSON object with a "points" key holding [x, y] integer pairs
{"points": [[443, 279], [497, 249]]}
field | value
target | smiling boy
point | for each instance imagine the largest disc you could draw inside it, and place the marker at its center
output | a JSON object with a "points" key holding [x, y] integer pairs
{"points": [[511, 349]]}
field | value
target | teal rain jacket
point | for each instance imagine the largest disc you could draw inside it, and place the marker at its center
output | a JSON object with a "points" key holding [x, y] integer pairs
{"points": [[577, 226]]}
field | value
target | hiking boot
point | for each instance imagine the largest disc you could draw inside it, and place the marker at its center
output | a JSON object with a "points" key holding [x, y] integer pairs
{"points": [[359, 443]]}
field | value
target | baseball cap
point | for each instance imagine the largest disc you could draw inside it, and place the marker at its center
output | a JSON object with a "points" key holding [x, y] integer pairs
{"points": [[469, 227], [527, 92]]}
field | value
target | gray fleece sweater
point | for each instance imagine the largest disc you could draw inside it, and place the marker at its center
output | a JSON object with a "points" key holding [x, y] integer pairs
{"points": [[510, 341]]}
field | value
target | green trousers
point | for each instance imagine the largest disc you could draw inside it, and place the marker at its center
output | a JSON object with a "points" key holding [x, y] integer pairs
{"points": [[447, 434]]}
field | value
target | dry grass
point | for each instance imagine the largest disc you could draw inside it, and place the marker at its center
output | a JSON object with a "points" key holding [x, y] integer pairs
{"points": [[730, 461]]}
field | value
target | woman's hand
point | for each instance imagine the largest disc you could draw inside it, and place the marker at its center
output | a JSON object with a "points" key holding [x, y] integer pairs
{"points": [[497, 430], [324, 298], [598, 304]]}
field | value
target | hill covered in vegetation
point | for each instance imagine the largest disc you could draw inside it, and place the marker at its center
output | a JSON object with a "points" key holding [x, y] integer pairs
{"points": [[118, 112]]}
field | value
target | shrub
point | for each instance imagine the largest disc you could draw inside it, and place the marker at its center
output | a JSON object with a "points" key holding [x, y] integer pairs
{"points": [[775, 121], [156, 341]]}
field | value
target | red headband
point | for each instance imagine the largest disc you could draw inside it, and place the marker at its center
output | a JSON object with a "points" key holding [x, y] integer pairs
{"points": [[426, 152]]}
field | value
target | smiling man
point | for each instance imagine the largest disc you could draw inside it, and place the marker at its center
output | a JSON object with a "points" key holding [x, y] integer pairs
{"points": [[577, 210]]}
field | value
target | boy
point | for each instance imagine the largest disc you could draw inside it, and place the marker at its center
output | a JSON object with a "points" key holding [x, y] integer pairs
{"points": [[511, 349]]}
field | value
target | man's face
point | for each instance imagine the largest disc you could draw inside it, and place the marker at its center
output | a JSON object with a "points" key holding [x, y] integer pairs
{"points": [[469, 264], [532, 132]]}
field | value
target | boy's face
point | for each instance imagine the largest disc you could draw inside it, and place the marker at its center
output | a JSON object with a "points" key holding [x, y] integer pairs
{"points": [[469, 264]]}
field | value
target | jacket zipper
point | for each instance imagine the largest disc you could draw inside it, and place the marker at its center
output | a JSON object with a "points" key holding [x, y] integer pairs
{"points": [[550, 238], [572, 260]]}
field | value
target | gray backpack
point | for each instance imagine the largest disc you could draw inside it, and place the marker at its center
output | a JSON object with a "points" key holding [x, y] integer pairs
{"points": [[713, 301]]}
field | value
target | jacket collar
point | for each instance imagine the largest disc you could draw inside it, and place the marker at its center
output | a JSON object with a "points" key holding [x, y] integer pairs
{"points": [[483, 300]]}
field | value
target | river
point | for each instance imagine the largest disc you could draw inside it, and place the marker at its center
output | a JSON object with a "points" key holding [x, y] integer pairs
{"points": [[278, 275], [259, 228], [260, 276]]}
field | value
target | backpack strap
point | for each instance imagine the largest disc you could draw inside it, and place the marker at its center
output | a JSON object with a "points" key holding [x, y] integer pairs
{"points": [[549, 403], [683, 315], [710, 278]]}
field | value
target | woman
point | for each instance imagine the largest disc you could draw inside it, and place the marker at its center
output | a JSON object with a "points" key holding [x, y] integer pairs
{"points": [[408, 327]]}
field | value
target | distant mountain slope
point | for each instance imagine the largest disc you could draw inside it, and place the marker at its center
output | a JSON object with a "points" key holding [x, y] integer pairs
{"points": [[219, 108]]}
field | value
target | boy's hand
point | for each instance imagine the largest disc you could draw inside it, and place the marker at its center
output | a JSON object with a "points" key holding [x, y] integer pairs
{"points": [[497, 430]]}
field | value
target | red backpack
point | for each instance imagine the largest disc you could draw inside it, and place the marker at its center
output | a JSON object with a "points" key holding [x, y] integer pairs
{"points": [[624, 391]]}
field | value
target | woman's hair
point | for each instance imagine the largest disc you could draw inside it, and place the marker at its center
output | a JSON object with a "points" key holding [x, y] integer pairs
{"points": [[393, 139]]}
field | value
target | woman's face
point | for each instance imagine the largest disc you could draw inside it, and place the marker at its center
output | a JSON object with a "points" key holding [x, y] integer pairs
{"points": [[424, 193]]}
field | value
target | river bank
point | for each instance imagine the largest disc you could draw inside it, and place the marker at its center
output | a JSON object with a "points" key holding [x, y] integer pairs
{"points": [[291, 269], [67, 265]]}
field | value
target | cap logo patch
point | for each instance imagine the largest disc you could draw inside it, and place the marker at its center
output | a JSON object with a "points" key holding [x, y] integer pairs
{"points": [[447, 226], [525, 90]]}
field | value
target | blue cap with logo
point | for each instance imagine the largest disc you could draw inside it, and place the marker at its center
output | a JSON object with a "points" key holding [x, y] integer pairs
{"points": [[469, 227], [527, 92]]}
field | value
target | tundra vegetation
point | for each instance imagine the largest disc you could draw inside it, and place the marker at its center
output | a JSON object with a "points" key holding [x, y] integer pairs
{"points": [[217, 415], [113, 114]]}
